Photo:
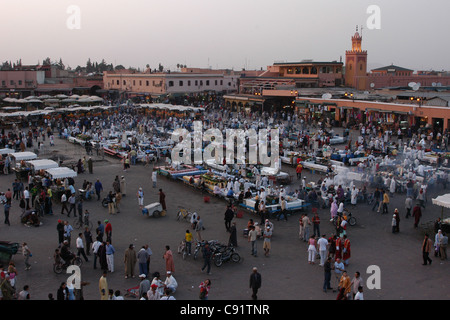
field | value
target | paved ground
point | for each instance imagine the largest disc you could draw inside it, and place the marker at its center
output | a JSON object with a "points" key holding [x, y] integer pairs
{"points": [[286, 273]]}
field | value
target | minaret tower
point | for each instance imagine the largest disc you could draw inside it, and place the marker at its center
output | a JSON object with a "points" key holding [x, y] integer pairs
{"points": [[356, 64]]}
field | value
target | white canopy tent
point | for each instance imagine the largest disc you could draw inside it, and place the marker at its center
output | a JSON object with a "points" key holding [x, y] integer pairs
{"points": [[26, 155], [7, 151], [443, 202], [42, 164], [61, 173]]}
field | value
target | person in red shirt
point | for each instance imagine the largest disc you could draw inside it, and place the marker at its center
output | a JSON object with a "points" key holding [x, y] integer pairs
{"points": [[108, 231], [299, 171]]}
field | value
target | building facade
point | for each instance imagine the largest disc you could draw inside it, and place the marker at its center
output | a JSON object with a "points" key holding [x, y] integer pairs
{"points": [[158, 84]]}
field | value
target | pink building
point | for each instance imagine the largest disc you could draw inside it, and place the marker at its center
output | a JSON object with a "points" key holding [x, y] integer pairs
{"points": [[20, 82]]}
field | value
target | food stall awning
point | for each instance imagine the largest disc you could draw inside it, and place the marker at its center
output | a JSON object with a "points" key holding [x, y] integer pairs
{"points": [[7, 151], [26, 155], [43, 164], [61, 173], [442, 201]]}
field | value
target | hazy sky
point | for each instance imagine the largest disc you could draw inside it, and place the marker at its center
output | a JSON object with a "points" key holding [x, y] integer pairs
{"points": [[224, 34]]}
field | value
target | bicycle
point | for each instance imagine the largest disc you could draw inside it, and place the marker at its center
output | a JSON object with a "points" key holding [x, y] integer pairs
{"points": [[184, 214], [183, 249], [79, 223]]}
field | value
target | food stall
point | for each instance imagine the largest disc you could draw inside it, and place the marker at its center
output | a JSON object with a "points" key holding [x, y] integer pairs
{"points": [[4, 153], [273, 205], [57, 175], [180, 171], [18, 163]]}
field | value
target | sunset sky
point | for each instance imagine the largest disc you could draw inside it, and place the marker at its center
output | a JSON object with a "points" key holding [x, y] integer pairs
{"points": [[249, 34]]}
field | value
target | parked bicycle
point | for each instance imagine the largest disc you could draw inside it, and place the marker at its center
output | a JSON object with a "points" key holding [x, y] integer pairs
{"points": [[185, 215], [183, 249], [350, 219]]}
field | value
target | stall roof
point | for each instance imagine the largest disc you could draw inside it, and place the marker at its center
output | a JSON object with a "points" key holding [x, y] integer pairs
{"points": [[7, 151], [61, 172], [19, 156], [43, 164]]}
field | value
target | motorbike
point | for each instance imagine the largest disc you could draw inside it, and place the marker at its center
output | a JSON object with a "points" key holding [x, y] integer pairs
{"points": [[200, 244], [225, 254], [60, 266], [83, 195]]}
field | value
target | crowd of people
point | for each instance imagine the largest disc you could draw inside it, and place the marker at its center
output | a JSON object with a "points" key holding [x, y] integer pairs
{"points": [[389, 169]]}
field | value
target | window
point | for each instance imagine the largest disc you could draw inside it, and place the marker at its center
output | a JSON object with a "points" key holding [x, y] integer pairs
{"points": [[134, 82], [3, 83], [196, 82], [117, 82], [189, 83], [170, 83], [147, 83], [207, 82], [221, 82], [11, 82], [215, 82], [20, 82], [140, 82], [180, 83], [124, 82], [201, 82]]}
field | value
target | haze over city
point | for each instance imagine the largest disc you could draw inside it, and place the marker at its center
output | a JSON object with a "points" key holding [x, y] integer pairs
{"points": [[230, 34]]}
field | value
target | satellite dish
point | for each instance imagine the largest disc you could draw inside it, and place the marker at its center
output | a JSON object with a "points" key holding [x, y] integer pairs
{"points": [[372, 85], [416, 86], [326, 96], [434, 84], [411, 84], [439, 84]]}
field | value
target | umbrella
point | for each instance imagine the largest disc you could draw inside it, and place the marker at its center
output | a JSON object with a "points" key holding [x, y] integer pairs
{"points": [[61, 96]]}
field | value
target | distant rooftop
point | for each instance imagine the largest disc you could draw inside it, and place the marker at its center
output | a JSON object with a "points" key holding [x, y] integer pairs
{"points": [[392, 67]]}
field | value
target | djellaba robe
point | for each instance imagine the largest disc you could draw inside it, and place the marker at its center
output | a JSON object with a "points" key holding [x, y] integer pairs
{"points": [[347, 254], [162, 200], [339, 248], [103, 288], [102, 257], [168, 257], [130, 262], [417, 213]]}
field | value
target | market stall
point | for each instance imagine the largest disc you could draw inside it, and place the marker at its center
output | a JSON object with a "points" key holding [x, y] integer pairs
{"points": [[18, 163], [58, 175]]}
